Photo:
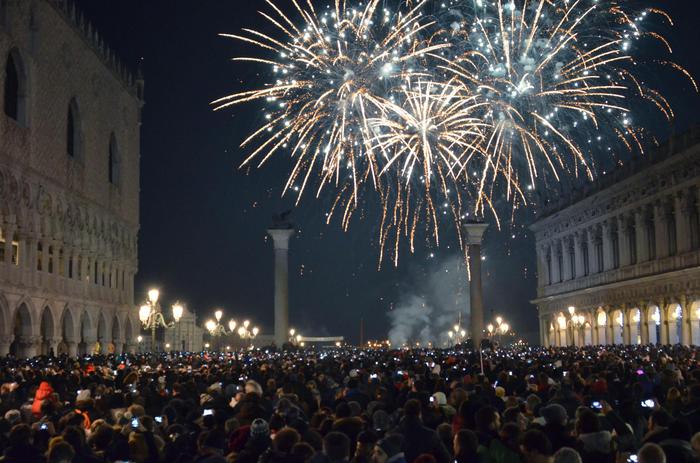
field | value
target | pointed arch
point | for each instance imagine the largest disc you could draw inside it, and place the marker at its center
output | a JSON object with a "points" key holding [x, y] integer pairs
{"points": [[15, 88], [22, 330], [68, 325]]}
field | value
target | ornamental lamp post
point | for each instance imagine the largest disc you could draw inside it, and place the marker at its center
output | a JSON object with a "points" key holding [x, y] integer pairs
{"points": [[216, 329], [151, 315]]}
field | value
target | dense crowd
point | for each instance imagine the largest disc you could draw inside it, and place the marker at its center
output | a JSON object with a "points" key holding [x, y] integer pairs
{"points": [[531, 405]]}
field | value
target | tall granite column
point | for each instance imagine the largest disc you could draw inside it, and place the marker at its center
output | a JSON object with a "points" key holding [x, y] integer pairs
{"points": [[474, 233], [280, 238]]}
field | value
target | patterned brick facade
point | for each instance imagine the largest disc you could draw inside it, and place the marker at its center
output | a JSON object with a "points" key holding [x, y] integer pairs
{"points": [[69, 184]]}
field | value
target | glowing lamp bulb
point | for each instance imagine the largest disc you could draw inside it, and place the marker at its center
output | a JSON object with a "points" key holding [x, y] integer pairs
{"points": [[210, 325], [218, 314], [153, 295], [231, 325], [178, 310], [144, 313]]}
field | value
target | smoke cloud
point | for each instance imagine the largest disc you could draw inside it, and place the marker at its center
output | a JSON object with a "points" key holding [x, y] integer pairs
{"points": [[430, 304]]}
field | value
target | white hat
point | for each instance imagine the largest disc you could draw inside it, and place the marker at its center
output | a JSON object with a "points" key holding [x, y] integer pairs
{"points": [[83, 395]]}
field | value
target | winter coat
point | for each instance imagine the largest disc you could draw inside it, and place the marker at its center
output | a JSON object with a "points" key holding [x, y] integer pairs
{"points": [[596, 447], [678, 451], [419, 439], [42, 393]]}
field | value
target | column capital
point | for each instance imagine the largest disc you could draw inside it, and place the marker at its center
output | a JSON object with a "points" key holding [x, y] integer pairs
{"points": [[474, 232], [281, 236]]}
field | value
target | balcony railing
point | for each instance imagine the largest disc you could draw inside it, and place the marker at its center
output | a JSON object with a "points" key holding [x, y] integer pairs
{"points": [[629, 272], [12, 275]]}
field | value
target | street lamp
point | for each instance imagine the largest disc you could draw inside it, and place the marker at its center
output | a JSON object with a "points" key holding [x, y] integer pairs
{"points": [[245, 333], [575, 321], [216, 329], [139, 338], [152, 318], [501, 328]]}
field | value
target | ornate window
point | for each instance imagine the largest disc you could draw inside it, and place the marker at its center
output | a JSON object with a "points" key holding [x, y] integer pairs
{"points": [[15, 88], [113, 161], [73, 131]]}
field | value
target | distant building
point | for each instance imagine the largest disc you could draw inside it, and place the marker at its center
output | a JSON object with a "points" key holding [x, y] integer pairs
{"points": [[625, 255], [186, 335], [69, 184]]}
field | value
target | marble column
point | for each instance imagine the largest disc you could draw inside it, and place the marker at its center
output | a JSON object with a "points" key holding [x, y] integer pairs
{"points": [[686, 320], [5, 343], [554, 261], [608, 260], [640, 228], [29, 346], [542, 266], [663, 314], [623, 241], [610, 327], [566, 260], [280, 238], [72, 348], [595, 333], [626, 325], [644, 323], [660, 230], [474, 234], [681, 207], [592, 255], [578, 256], [543, 331]]}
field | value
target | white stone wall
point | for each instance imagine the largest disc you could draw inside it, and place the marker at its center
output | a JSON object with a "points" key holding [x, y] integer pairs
{"points": [[628, 250], [69, 236]]}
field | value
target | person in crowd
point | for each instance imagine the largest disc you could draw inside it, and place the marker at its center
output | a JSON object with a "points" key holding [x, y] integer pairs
{"points": [[536, 447], [569, 405], [651, 453], [567, 455], [418, 438]]}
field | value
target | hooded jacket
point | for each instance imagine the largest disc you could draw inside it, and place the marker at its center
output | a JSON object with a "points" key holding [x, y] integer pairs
{"points": [[42, 393]]}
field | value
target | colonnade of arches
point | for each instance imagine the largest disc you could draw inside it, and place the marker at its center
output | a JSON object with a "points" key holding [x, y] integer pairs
{"points": [[674, 322], [28, 331]]}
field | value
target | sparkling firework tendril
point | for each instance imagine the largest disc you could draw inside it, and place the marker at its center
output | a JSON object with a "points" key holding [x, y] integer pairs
{"points": [[443, 108], [556, 76]]}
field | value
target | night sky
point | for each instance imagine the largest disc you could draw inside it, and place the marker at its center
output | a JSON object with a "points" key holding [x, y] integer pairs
{"points": [[203, 220]]}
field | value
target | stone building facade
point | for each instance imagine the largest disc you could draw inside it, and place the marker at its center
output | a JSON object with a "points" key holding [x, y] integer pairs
{"points": [[620, 263], [69, 184]]}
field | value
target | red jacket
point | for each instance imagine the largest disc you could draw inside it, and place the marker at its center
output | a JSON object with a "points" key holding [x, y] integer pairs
{"points": [[43, 393]]}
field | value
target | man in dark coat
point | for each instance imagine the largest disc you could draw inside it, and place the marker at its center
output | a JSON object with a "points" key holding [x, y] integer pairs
{"points": [[417, 438]]}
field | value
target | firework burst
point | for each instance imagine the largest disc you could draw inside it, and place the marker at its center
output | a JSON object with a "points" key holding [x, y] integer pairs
{"points": [[443, 108], [560, 81]]}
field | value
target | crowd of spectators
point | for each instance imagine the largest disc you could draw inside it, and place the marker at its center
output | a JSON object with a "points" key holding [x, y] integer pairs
{"points": [[609, 404]]}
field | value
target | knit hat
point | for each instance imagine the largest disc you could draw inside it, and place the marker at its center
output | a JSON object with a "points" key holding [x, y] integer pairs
{"points": [[439, 398], [391, 445], [555, 414], [13, 416], [259, 428]]}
